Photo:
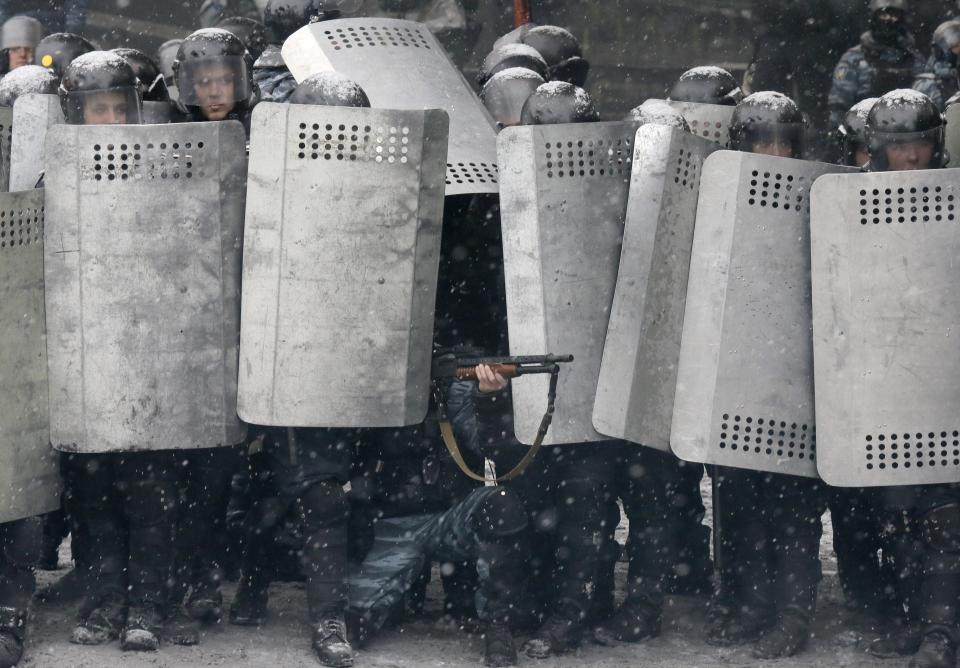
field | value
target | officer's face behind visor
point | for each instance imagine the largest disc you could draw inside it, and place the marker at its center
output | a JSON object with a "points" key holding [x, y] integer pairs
{"points": [[780, 141], [906, 152], [103, 107], [214, 85]]}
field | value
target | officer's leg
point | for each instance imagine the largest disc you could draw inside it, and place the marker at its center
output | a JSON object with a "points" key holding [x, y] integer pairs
{"points": [[98, 512], [794, 509], [696, 572], [856, 544], [148, 491], [55, 529], [19, 552], [604, 593], [940, 590], [75, 583]]}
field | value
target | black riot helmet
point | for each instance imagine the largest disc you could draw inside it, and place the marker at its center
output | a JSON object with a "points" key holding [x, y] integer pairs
{"points": [[100, 88], [166, 55], [767, 118], [329, 89], [706, 85], [558, 102], [509, 56], [852, 133], [25, 80], [505, 93], [285, 17], [213, 67], [657, 112], [515, 36], [888, 20], [147, 71], [212, 12], [904, 117], [58, 50], [946, 38], [251, 32], [562, 52]]}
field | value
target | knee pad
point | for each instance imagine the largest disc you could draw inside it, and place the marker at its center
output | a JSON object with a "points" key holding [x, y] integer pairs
{"points": [[500, 514], [21, 542], [324, 505], [941, 528]]}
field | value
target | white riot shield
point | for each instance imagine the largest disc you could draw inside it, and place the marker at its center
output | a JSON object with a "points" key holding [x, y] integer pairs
{"points": [[341, 253], [32, 116], [710, 121], [29, 470], [744, 393], [886, 313], [401, 65], [638, 375], [563, 201], [952, 114], [6, 130], [142, 267]]}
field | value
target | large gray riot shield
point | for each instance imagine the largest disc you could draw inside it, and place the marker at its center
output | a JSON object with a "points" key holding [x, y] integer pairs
{"points": [[886, 313], [6, 130], [952, 115], [710, 121], [341, 253], [563, 201], [744, 393], [32, 116], [142, 267], [401, 65], [29, 471], [638, 375]]}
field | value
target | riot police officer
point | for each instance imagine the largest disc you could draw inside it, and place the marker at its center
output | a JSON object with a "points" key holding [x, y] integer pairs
{"points": [[126, 501], [851, 135], [940, 81], [558, 47], [905, 131], [506, 91], [769, 524], [19, 551], [886, 58], [706, 85], [18, 38], [58, 50]]}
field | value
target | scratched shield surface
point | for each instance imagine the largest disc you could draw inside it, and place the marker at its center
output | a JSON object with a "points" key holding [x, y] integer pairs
{"points": [[563, 200], [638, 374], [33, 115], [886, 316], [341, 255], [745, 379], [142, 251], [29, 468]]}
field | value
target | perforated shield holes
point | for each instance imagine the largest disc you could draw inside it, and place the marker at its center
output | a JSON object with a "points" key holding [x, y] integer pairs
{"points": [[638, 374], [767, 436], [469, 173], [777, 190], [20, 227], [886, 315], [338, 141], [374, 35], [562, 215], [710, 121], [712, 130], [910, 204], [149, 160]]}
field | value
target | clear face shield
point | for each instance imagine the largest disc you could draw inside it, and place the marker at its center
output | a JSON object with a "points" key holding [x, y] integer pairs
{"points": [[906, 151], [214, 82], [504, 99], [783, 140], [111, 106]]}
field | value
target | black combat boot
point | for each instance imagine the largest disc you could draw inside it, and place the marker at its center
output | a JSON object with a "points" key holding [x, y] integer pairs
{"points": [[636, 620], [790, 635], [499, 649], [100, 622], [205, 603], [330, 642], [938, 650], [13, 627], [142, 631], [903, 639], [559, 634], [727, 628]]}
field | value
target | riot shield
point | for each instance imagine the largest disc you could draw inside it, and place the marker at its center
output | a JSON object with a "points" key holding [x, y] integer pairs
{"points": [[29, 473], [638, 375], [401, 65], [341, 252], [156, 113], [952, 114], [142, 268], [6, 130], [710, 121], [886, 312], [563, 205], [32, 116], [744, 393]]}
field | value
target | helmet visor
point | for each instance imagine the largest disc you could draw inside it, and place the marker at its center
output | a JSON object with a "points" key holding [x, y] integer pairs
{"points": [[906, 150], [505, 99], [109, 106], [785, 140], [210, 82]]}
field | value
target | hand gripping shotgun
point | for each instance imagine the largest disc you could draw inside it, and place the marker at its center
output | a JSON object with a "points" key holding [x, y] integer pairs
{"points": [[464, 367]]}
